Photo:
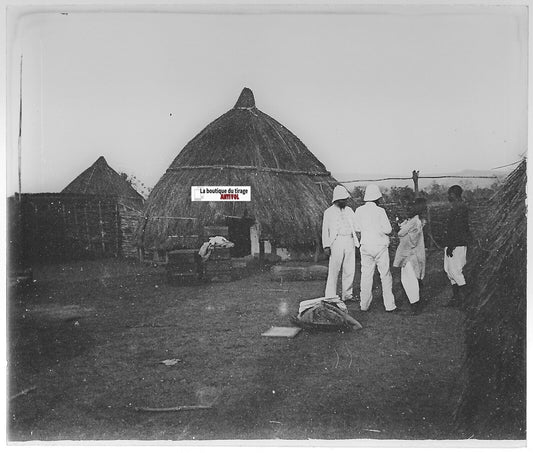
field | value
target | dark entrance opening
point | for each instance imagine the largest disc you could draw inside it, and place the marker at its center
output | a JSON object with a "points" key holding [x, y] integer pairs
{"points": [[239, 234]]}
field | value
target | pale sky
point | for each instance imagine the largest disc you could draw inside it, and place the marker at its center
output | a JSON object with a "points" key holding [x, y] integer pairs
{"points": [[372, 90]]}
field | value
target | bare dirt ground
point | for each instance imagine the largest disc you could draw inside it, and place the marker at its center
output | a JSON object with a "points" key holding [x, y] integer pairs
{"points": [[397, 378]]}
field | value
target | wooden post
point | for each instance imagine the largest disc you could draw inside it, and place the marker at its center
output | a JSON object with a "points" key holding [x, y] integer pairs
{"points": [[415, 181], [261, 249], [317, 250], [20, 134]]}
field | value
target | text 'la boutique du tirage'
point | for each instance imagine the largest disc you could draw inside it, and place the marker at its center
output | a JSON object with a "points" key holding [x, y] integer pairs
{"points": [[221, 193]]}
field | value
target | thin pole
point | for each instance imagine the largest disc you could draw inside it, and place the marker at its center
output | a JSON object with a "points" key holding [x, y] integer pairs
{"points": [[20, 133]]}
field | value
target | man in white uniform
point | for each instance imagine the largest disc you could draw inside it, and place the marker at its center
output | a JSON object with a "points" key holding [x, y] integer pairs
{"points": [[339, 241], [373, 223]]}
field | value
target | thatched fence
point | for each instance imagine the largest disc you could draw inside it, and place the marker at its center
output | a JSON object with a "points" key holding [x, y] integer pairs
{"points": [[493, 402], [50, 227]]}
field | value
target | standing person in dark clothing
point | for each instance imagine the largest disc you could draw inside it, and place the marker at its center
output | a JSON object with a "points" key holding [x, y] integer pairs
{"points": [[457, 238]]}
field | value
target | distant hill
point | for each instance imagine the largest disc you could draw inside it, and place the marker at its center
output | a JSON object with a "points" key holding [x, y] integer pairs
{"points": [[427, 179]]}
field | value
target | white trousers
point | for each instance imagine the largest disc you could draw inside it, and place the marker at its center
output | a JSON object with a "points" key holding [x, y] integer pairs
{"points": [[342, 256], [410, 283], [372, 256], [453, 266]]}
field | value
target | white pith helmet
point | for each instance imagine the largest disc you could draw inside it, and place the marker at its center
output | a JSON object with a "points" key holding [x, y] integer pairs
{"points": [[372, 193], [340, 193]]}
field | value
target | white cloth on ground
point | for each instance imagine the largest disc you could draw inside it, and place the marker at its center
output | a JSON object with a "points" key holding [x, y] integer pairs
{"points": [[306, 304], [453, 266], [325, 313]]}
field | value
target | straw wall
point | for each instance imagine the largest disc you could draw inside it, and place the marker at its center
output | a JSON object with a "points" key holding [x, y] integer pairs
{"points": [[288, 207], [492, 403], [62, 227]]}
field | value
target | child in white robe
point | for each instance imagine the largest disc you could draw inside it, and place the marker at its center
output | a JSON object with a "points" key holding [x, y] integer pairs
{"points": [[411, 253]]}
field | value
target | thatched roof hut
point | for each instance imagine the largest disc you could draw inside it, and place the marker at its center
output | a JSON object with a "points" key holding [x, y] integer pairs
{"points": [[290, 187], [101, 179], [492, 404]]}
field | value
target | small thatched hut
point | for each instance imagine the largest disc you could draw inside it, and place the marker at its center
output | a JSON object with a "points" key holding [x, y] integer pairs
{"points": [[493, 403], [101, 180], [290, 187]]}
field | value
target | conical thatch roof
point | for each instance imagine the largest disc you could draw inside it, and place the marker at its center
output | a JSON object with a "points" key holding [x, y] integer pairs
{"points": [[290, 186], [101, 179], [492, 404]]}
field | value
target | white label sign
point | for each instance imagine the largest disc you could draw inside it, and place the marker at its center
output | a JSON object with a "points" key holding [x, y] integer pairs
{"points": [[221, 193]]}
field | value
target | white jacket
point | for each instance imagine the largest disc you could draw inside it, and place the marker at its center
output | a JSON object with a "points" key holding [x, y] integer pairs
{"points": [[332, 222], [373, 223]]}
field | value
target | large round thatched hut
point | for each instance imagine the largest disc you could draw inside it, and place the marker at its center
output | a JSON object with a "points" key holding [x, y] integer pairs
{"points": [[290, 187], [493, 403]]}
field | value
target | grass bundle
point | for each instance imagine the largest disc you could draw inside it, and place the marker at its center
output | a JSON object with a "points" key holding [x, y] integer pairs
{"points": [[492, 404]]}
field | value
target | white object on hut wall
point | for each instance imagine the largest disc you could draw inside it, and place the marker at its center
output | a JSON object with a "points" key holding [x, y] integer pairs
{"points": [[254, 239]]}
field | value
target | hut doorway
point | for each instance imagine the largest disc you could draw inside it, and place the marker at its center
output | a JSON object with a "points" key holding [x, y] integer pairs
{"points": [[239, 234]]}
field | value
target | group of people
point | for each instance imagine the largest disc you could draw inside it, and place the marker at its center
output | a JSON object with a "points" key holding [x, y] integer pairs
{"points": [[369, 229]]}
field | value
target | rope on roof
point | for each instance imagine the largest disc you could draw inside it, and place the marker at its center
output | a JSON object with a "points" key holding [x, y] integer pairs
{"points": [[250, 167], [508, 165]]}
